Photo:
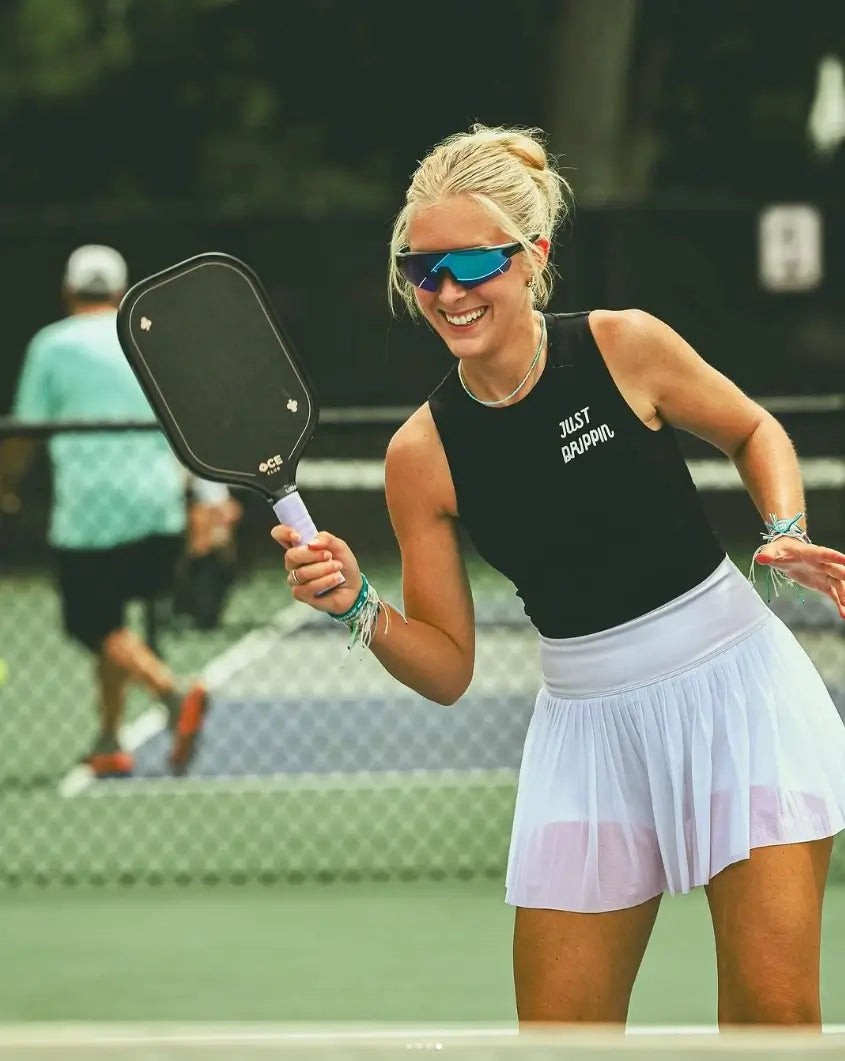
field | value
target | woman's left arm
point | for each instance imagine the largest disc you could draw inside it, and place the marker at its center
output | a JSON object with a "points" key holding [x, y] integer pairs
{"points": [[692, 395]]}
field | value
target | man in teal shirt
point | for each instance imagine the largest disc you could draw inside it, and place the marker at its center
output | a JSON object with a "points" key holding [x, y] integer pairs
{"points": [[118, 516]]}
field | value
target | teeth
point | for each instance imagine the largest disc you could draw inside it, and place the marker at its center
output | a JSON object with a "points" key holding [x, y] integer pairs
{"points": [[466, 318]]}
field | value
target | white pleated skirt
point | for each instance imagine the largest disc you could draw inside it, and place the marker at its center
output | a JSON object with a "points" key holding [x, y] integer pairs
{"points": [[663, 750]]}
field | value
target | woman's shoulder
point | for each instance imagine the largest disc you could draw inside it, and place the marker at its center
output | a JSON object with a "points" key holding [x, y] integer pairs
{"points": [[614, 326], [416, 462], [416, 439]]}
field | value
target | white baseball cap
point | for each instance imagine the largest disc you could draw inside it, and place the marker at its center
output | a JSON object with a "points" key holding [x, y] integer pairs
{"points": [[96, 270]]}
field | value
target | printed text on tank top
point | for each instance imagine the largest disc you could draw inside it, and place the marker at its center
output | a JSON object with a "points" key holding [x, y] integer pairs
{"points": [[587, 439]]}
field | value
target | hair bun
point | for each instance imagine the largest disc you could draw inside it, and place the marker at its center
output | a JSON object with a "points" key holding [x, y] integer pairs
{"points": [[524, 144]]}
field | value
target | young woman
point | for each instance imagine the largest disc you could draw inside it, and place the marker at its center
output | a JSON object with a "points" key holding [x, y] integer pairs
{"points": [[681, 737]]}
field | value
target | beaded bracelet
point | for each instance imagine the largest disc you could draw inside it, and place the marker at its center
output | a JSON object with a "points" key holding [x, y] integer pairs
{"points": [[778, 528], [362, 617]]}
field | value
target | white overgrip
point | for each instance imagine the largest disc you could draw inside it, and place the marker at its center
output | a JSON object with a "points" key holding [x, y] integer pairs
{"points": [[291, 511]]}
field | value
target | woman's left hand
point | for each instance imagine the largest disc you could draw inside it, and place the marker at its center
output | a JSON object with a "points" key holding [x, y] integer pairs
{"points": [[813, 566]]}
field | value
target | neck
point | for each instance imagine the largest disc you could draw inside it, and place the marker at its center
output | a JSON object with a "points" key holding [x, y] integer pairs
{"points": [[494, 378], [77, 309]]}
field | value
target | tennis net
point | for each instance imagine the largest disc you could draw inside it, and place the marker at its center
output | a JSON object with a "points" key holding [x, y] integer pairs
{"points": [[314, 763]]}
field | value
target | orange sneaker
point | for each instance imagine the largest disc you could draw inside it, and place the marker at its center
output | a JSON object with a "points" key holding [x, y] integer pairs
{"points": [[186, 724], [110, 764]]}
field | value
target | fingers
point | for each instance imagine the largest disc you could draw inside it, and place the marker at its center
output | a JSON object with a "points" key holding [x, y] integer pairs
{"points": [[306, 590], [284, 535], [808, 551], [815, 567], [307, 574], [786, 548], [331, 542], [300, 556], [316, 567], [311, 568], [830, 556], [287, 537], [836, 592]]}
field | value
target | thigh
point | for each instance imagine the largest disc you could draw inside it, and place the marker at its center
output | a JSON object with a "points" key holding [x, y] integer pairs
{"points": [[579, 967], [90, 589], [766, 913]]}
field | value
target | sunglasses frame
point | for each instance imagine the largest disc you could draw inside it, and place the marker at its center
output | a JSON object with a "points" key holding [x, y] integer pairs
{"points": [[508, 250]]}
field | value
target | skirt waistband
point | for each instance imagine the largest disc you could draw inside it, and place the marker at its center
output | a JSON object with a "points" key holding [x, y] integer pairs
{"points": [[716, 613]]}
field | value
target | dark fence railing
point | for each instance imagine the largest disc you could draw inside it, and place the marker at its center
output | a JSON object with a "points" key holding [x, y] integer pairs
{"points": [[694, 264]]}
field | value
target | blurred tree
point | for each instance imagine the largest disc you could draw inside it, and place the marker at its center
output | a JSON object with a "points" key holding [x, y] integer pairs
{"points": [[54, 50], [673, 96], [604, 84], [130, 102], [737, 93], [257, 105]]}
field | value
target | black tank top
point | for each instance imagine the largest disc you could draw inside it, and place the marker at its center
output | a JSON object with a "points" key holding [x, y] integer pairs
{"points": [[592, 515]]}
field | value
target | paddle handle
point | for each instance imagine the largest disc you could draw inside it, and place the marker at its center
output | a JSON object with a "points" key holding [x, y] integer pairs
{"points": [[291, 511]]}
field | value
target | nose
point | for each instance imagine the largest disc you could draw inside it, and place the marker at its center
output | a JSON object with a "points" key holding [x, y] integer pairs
{"points": [[449, 290]]}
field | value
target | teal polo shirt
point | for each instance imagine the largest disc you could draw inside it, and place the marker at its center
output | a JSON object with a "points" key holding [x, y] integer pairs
{"points": [[109, 488]]}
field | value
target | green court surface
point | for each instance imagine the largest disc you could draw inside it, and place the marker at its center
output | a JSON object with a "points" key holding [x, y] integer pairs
{"points": [[341, 953], [335, 896]]}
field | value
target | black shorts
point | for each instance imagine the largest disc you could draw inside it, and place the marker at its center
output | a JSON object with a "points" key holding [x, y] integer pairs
{"points": [[96, 584]]}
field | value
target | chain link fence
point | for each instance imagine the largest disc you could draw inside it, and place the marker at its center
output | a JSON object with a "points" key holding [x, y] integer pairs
{"points": [[314, 763]]}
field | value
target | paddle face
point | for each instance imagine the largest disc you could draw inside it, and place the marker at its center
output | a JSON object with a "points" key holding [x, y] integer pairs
{"points": [[220, 373]]}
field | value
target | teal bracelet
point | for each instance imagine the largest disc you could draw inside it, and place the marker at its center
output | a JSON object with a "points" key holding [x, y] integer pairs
{"points": [[777, 527], [784, 528], [360, 601]]}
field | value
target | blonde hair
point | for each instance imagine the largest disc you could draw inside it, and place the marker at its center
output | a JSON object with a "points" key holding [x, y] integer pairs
{"points": [[505, 170]]}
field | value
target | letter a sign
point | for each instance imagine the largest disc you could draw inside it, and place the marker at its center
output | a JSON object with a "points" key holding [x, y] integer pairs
{"points": [[789, 242]]}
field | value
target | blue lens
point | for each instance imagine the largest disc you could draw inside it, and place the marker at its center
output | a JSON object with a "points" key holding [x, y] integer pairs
{"points": [[469, 267]]}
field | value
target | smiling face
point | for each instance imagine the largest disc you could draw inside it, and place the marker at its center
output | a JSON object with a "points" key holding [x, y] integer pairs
{"points": [[479, 320]]}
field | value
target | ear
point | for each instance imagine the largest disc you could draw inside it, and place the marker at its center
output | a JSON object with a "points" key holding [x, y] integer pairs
{"points": [[542, 244]]}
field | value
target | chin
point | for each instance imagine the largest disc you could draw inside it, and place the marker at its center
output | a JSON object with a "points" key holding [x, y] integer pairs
{"points": [[465, 348]]}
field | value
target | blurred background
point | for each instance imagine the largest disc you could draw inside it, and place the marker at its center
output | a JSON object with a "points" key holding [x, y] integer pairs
{"points": [[337, 849]]}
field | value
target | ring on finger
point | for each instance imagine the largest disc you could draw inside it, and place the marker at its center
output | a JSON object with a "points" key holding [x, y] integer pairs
{"points": [[294, 580]]}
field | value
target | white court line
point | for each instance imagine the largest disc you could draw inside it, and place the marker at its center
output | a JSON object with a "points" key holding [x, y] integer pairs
{"points": [[109, 1035], [236, 658], [374, 780], [203, 1035], [803, 403], [819, 473]]}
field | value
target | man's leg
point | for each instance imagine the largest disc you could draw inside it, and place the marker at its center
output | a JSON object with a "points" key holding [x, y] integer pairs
{"points": [[107, 758], [95, 587], [149, 574], [125, 652]]}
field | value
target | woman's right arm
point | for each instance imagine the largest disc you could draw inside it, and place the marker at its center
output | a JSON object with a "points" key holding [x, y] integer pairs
{"points": [[431, 649]]}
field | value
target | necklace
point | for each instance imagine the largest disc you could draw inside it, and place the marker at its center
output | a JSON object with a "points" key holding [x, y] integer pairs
{"points": [[525, 378]]}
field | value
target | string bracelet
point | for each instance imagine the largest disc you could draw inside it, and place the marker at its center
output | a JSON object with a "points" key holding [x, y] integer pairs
{"points": [[775, 577]]}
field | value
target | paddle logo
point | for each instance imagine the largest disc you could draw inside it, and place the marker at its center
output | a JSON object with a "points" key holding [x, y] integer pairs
{"points": [[272, 464]]}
